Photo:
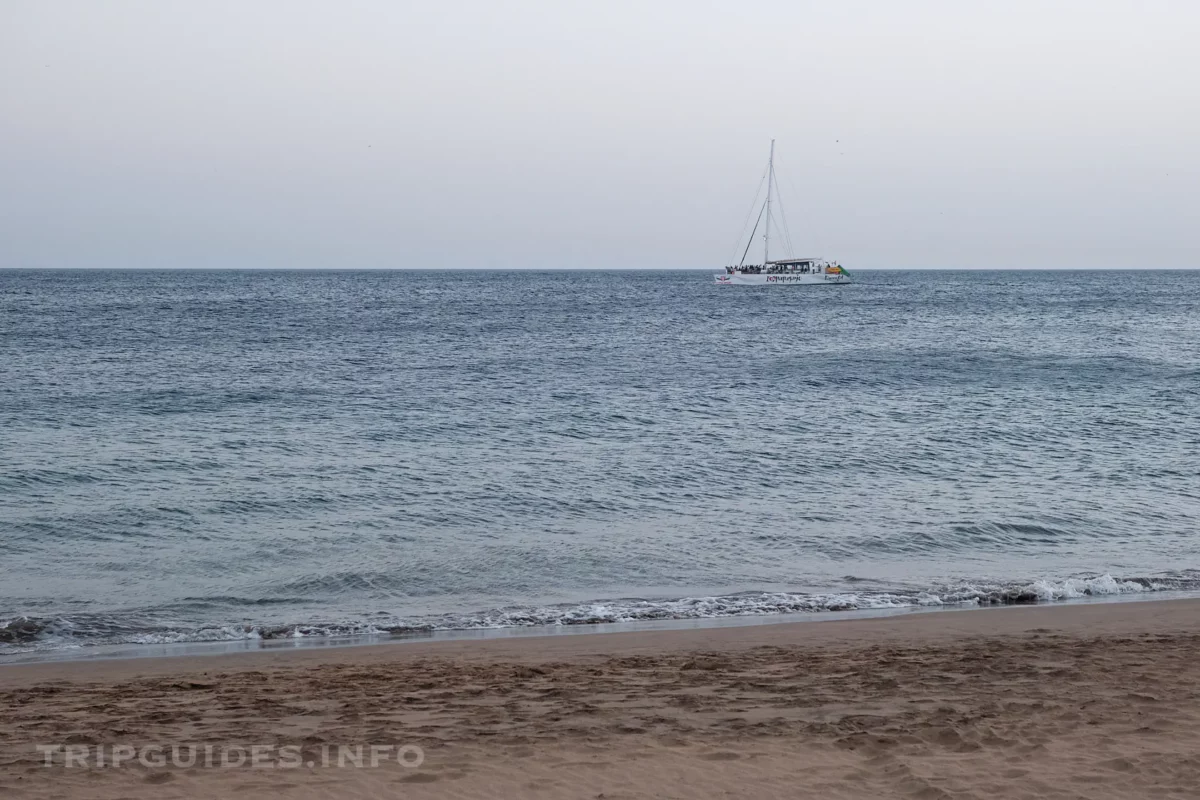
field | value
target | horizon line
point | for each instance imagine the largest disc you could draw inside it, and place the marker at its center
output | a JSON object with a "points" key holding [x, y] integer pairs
{"points": [[574, 269]]}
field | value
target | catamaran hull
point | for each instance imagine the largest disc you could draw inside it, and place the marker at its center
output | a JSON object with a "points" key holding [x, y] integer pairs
{"points": [[788, 279]]}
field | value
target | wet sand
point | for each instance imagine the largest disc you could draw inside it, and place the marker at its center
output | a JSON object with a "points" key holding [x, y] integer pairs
{"points": [[1095, 700]]}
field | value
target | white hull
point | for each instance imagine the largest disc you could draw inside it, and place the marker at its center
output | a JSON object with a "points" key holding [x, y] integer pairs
{"points": [[782, 279]]}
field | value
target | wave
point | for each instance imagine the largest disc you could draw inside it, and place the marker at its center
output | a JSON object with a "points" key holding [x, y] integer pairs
{"points": [[24, 633]]}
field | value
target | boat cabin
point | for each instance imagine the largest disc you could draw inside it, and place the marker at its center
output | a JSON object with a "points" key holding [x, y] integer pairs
{"points": [[781, 266]]}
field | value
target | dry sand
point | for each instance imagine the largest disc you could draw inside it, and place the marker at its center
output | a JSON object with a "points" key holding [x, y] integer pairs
{"points": [[1085, 701]]}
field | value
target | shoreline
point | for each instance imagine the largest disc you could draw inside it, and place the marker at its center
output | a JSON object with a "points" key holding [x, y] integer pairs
{"points": [[1101, 699], [1110, 615], [252, 644]]}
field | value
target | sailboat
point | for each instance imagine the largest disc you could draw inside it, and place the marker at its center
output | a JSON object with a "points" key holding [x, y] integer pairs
{"points": [[810, 271]]}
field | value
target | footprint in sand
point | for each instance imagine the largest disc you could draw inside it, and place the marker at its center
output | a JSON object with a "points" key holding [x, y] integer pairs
{"points": [[420, 777]]}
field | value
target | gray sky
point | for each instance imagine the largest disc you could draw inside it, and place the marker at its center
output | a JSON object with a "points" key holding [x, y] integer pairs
{"points": [[911, 133]]}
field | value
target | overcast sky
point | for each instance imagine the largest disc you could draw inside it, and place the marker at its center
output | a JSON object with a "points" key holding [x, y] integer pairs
{"points": [[910, 133]]}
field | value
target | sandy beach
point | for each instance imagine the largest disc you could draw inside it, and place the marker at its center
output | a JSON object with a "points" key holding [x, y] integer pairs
{"points": [[1094, 700]]}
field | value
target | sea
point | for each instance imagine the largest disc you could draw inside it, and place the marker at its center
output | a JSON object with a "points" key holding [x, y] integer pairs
{"points": [[244, 456]]}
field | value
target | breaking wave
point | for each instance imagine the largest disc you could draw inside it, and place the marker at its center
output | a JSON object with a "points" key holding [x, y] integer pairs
{"points": [[25, 634]]}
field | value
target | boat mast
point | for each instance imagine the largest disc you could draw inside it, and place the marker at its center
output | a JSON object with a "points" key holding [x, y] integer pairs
{"points": [[770, 184]]}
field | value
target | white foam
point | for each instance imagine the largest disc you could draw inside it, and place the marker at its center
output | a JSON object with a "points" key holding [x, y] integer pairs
{"points": [[226, 633]]}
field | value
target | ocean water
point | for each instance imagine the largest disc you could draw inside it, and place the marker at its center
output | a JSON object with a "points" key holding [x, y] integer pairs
{"points": [[189, 456]]}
